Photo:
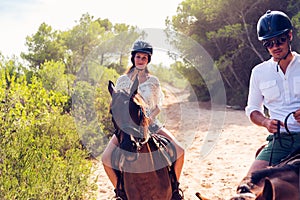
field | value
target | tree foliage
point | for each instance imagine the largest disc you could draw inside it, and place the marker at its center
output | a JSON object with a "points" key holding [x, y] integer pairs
{"points": [[54, 77], [227, 30], [169, 75], [90, 39], [44, 45]]}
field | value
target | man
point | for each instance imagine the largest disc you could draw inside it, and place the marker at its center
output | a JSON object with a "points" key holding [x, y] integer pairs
{"points": [[275, 84]]}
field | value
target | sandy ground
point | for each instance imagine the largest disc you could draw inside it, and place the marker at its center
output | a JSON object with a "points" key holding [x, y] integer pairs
{"points": [[216, 174]]}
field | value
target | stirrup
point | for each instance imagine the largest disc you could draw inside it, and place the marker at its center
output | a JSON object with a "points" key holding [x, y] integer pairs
{"points": [[120, 195], [177, 194]]}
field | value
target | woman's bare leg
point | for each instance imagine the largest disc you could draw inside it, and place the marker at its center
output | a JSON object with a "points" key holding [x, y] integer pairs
{"points": [[106, 160]]}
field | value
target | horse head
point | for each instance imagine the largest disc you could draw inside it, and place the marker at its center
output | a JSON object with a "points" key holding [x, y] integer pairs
{"points": [[279, 182], [128, 116]]}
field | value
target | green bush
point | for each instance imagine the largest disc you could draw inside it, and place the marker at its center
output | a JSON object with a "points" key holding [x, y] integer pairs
{"points": [[90, 108], [40, 155]]}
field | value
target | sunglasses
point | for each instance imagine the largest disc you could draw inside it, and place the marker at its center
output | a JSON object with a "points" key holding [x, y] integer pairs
{"points": [[278, 41]]}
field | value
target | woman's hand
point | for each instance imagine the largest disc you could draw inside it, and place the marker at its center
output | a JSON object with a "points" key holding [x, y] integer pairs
{"points": [[153, 114], [150, 118]]}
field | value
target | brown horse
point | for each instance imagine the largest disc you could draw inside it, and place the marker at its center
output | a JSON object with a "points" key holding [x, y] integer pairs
{"points": [[280, 182], [143, 161]]}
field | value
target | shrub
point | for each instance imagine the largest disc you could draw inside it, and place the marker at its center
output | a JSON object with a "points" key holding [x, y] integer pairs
{"points": [[40, 154]]}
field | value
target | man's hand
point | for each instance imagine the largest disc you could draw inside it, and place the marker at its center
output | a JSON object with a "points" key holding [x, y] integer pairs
{"points": [[271, 124], [297, 115]]}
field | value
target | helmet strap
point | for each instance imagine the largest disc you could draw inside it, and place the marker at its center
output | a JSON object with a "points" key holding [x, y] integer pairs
{"points": [[286, 55], [283, 58], [289, 51]]}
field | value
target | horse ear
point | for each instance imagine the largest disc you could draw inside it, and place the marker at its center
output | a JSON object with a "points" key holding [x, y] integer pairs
{"points": [[268, 191], [134, 87], [111, 87]]}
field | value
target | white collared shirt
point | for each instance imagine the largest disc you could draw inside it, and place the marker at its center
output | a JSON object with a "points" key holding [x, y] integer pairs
{"points": [[279, 92]]}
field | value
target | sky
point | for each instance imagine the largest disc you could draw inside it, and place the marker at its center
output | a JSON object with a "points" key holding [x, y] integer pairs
{"points": [[21, 18]]}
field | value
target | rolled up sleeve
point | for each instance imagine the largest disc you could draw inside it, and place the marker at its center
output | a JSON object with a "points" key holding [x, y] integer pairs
{"points": [[255, 98]]}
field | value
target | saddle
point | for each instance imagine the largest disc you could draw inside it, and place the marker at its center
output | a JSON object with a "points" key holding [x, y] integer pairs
{"points": [[292, 159]]}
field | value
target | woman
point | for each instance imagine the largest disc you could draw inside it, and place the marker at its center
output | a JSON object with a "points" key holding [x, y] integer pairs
{"points": [[149, 89]]}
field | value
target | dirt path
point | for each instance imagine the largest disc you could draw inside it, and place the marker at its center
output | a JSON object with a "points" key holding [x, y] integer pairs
{"points": [[217, 174]]}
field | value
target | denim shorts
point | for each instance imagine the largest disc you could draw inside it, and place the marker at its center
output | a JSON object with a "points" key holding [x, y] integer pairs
{"points": [[282, 147]]}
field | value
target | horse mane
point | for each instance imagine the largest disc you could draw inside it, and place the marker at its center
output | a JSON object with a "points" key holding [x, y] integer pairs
{"points": [[138, 99], [260, 174]]}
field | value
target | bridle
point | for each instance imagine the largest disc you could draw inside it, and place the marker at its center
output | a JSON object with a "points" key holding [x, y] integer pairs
{"points": [[277, 136]]}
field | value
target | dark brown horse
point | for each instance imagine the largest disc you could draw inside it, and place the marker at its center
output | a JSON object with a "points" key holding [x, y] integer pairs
{"points": [[280, 182], [143, 161]]}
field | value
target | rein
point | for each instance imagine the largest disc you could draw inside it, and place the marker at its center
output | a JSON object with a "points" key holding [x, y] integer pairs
{"points": [[138, 141], [279, 136]]}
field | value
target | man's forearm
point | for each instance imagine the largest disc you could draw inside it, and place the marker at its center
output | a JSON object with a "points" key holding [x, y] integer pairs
{"points": [[258, 118]]}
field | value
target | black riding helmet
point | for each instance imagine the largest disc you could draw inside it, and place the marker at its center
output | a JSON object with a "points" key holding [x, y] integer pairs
{"points": [[141, 46], [272, 24]]}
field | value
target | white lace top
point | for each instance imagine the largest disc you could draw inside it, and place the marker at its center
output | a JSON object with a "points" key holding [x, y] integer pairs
{"points": [[150, 90]]}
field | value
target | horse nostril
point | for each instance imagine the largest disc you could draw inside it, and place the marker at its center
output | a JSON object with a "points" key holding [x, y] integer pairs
{"points": [[243, 189], [244, 196]]}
